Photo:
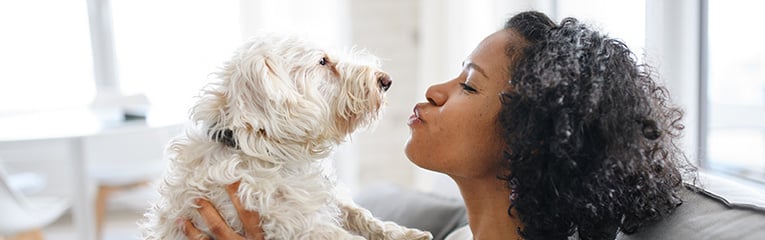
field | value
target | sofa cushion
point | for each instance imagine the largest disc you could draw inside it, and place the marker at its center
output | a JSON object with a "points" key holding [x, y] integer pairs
{"points": [[437, 214], [716, 208]]}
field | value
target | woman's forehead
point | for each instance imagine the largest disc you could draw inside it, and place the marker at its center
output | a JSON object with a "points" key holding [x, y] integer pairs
{"points": [[490, 55]]}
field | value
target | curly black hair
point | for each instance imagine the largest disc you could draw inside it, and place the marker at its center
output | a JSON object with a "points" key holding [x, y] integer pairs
{"points": [[591, 137]]}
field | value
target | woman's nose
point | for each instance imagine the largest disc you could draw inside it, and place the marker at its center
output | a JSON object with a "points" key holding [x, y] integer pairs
{"points": [[436, 94]]}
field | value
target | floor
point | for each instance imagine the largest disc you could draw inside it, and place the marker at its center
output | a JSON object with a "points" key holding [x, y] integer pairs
{"points": [[124, 211], [120, 225]]}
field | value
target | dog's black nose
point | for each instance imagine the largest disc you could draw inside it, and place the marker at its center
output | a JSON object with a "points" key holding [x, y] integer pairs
{"points": [[384, 81]]}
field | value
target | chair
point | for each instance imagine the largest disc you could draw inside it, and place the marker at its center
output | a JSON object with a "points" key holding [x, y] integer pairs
{"points": [[22, 217], [124, 159]]}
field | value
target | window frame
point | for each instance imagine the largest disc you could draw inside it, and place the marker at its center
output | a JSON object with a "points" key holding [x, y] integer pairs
{"points": [[102, 47], [703, 126]]}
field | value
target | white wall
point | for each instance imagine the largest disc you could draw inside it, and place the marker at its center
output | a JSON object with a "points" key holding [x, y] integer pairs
{"points": [[423, 42], [672, 47], [446, 31]]}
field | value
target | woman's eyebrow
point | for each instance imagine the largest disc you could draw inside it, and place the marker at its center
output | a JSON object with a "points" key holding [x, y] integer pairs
{"points": [[467, 65]]}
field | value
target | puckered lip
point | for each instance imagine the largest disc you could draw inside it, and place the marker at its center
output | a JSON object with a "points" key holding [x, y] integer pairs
{"points": [[415, 118]]}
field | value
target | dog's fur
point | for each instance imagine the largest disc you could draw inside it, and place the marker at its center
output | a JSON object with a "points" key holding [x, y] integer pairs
{"points": [[275, 112]]}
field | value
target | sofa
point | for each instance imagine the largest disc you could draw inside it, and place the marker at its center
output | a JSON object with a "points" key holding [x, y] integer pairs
{"points": [[714, 208]]}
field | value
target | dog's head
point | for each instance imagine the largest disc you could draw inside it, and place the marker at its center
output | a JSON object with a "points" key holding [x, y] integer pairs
{"points": [[283, 90]]}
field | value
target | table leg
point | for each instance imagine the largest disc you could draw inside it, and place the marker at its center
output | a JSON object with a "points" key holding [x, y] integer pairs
{"points": [[82, 204]]}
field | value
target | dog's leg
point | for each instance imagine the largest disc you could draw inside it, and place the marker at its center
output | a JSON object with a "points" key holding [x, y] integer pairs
{"points": [[329, 232], [361, 221]]}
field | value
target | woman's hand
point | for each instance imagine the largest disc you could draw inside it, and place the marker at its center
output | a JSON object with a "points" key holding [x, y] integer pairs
{"points": [[250, 221]]}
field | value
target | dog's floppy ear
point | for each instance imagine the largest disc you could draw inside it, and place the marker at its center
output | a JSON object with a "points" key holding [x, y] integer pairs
{"points": [[264, 102]]}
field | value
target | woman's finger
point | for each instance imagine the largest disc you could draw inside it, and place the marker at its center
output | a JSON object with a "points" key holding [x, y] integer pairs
{"points": [[215, 222], [250, 219], [191, 232]]}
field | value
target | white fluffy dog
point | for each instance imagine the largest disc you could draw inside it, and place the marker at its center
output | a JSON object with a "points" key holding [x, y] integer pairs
{"points": [[277, 109]]}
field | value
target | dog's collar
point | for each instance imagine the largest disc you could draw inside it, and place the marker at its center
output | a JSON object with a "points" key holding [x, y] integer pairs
{"points": [[225, 137]]}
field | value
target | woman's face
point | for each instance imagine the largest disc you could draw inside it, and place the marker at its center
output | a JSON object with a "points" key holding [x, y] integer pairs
{"points": [[457, 131]]}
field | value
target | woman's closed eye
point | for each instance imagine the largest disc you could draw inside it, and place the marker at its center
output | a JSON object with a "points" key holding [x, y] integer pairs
{"points": [[468, 88]]}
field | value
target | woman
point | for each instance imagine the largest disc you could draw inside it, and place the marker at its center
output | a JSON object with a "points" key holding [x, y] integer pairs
{"points": [[549, 131]]}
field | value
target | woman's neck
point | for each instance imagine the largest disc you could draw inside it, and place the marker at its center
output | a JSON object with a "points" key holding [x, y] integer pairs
{"points": [[487, 201]]}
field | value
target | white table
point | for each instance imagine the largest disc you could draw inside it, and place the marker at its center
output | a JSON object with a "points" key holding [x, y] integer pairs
{"points": [[71, 126]]}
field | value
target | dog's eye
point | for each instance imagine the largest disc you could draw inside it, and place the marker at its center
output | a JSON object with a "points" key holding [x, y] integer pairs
{"points": [[323, 61]]}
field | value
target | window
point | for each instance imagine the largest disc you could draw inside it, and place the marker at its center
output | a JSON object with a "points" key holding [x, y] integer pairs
{"points": [[165, 50], [45, 58], [735, 88], [168, 49], [623, 20]]}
